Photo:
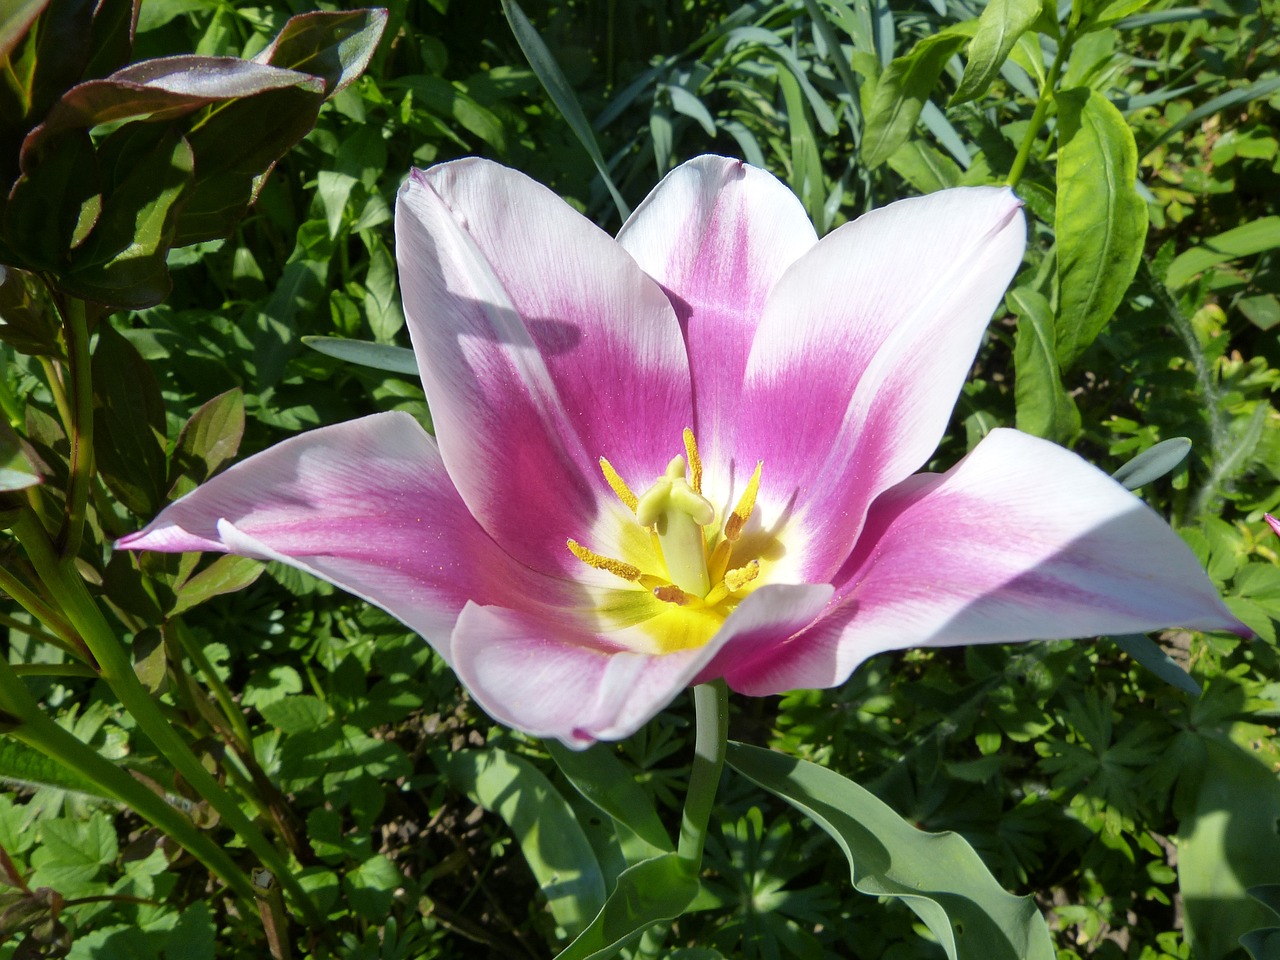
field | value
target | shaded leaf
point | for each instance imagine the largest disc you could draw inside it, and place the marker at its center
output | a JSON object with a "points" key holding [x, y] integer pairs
{"points": [[1101, 218], [16, 17], [379, 356], [543, 824], [937, 875], [128, 423], [27, 322], [1144, 650], [602, 779], [17, 472], [227, 574], [210, 438], [1001, 24], [57, 186], [645, 894]]}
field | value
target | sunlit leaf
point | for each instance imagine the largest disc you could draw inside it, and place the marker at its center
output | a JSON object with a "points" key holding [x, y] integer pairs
{"points": [[1001, 24], [379, 356], [1261, 235], [900, 94], [336, 47], [1101, 219], [937, 875], [1044, 407]]}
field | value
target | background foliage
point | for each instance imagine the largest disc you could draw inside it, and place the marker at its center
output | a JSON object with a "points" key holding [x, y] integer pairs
{"points": [[1138, 813]]}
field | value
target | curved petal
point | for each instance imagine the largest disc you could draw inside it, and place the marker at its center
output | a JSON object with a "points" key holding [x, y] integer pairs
{"points": [[542, 347], [717, 234], [1021, 540], [366, 505], [863, 348], [538, 676]]}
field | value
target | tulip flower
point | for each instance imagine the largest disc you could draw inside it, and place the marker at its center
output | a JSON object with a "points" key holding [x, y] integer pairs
{"points": [[691, 452]]}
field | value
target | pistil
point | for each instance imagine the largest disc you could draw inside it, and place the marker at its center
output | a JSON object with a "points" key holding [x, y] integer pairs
{"points": [[677, 513]]}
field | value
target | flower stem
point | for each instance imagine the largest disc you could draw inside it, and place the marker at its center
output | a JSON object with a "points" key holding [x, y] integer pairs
{"points": [[37, 730], [66, 586], [1041, 111], [43, 613], [711, 711]]}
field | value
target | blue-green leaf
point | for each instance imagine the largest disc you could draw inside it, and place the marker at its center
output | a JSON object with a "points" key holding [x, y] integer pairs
{"points": [[543, 824], [379, 356], [1146, 652], [1153, 463], [647, 893], [937, 875]]}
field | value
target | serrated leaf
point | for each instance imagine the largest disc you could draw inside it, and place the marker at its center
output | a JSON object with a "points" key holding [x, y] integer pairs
{"points": [[1144, 650], [543, 824], [937, 875], [649, 892], [1153, 463], [1001, 24], [900, 93], [379, 356], [1044, 408], [602, 779], [336, 47], [227, 574], [1101, 219]]}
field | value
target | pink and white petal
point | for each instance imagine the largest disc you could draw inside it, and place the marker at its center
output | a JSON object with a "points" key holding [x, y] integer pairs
{"points": [[542, 347], [549, 679], [863, 348], [717, 234], [366, 505], [1021, 540]]}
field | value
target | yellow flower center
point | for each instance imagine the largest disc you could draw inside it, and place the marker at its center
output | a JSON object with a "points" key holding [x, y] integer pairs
{"points": [[688, 572]]}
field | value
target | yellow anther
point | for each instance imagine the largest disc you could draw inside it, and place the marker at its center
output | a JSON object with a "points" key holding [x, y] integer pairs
{"points": [[742, 512], [670, 593], [619, 569], [740, 577], [618, 485], [695, 461]]}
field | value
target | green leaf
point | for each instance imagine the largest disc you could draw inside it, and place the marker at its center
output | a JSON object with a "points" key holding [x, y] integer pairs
{"points": [[379, 356], [1243, 241], [27, 322], [937, 875], [336, 47], [381, 303], [1144, 650], [602, 779], [1227, 845], [59, 185], [1233, 98], [1044, 408], [1101, 218], [227, 574], [145, 171], [16, 17], [210, 438], [1153, 463], [17, 472], [649, 892], [1001, 24], [901, 91], [925, 168], [543, 824], [553, 80], [24, 765], [128, 423]]}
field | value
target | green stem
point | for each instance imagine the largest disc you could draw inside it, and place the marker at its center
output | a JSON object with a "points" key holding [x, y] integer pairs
{"points": [[220, 692], [711, 712], [54, 377], [54, 670], [26, 598], [37, 730], [1041, 111], [65, 584], [76, 332]]}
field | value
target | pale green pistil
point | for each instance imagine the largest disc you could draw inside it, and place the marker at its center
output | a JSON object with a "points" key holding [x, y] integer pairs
{"points": [[678, 513]]}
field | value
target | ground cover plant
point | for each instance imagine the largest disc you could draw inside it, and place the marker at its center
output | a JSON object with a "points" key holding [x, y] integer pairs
{"points": [[223, 756]]}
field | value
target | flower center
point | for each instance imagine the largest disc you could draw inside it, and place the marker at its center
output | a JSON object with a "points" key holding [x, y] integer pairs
{"points": [[688, 568]]}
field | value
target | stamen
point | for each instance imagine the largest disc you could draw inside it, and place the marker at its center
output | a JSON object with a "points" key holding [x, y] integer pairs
{"points": [[619, 569], [695, 461], [618, 485], [670, 593], [742, 512], [739, 578]]}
